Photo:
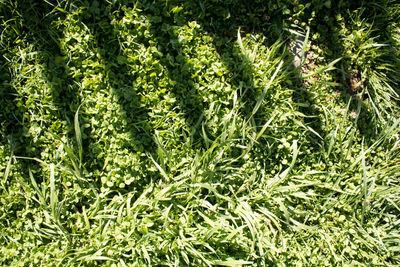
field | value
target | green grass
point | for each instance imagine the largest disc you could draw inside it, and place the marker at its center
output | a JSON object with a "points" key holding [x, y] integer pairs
{"points": [[179, 133]]}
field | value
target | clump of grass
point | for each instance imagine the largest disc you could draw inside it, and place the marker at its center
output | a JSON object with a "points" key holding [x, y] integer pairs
{"points": [[372, 65]]}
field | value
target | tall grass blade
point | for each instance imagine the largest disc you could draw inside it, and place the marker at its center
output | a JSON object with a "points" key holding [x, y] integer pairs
{"points": [[261, 97], [261, 132], [163, 173], [304, 47], [240, 42], [329, 67], [232, 262], [331, 143], [78, 135], [36, 187], [364, 184], [8, 167], [74, 161], [53, 193]]}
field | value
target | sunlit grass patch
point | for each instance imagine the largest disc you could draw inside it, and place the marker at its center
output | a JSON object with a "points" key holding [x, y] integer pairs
{"points": [[179, 134]]}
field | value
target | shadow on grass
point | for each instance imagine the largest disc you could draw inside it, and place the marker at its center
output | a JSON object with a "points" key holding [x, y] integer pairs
{"points": [[261, 18], [217, 19], [24, 19], [41, 102], [327, 27]]}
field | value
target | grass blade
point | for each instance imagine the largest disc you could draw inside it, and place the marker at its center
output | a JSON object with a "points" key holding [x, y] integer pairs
{"points": [[78, 135], [364, 183], [261, 97], [8, 167], [53, 193], [233, 263], [163, 173]]}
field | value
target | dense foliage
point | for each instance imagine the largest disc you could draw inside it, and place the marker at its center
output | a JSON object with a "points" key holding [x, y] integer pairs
{"points": [[180, 133]]}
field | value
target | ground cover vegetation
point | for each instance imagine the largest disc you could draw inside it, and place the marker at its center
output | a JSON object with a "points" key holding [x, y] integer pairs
{"points": [[179, 133]]}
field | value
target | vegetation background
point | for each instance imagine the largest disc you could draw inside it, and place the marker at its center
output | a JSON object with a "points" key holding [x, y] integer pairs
{"points": [[179, 133]]}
